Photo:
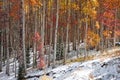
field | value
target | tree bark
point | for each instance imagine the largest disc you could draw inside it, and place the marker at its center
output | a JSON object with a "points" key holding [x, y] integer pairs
{"points": [[23, 34], [51, 35], [34, 53], [67, 32], [1, 50], [7, 37], [43, 34], [56, 31], [115, 27]]}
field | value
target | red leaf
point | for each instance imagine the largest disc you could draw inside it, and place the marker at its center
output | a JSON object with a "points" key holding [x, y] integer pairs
{"points": [[41, 63], [36, 37], [40, 46]]}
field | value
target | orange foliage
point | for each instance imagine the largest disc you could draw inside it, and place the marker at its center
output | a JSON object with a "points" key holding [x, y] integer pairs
{"points": [[74, 6], [15, 9], [107, 33], [111, 4], [35, 3], [108, 15], [64, 7], [93, 14], [97, 25], [92, 38], [117, 32]]}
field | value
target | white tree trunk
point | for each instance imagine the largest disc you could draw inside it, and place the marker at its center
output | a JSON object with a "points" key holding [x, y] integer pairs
{"points": [[43, 30], [102, 39], [51, 35], [7, 38], [1, 53], [23, 34], [86, 29], [7, 41], [115, 28], [34, 53], [66, 43], [56, 31]]}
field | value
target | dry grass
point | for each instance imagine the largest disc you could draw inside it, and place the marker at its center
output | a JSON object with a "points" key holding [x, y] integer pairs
{"points": [[81, 59], [105, 55], [102, 56]]}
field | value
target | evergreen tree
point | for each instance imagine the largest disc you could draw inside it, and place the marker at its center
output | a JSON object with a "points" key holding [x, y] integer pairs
{"points": [[21, 72], [60, 50], [27, 57]]}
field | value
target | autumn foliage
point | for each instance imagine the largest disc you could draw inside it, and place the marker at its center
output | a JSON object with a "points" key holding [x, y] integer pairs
{"points": [[93, 39], [15, 9], [41, 64], [36, 37], [107, 33], [42, 23]]}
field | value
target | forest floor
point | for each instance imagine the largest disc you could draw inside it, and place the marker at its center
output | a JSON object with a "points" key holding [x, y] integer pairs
{"points": [[104, 66]]}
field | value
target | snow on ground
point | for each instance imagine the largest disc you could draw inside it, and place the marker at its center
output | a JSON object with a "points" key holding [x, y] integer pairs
{"points": [[108, 69], [98, 69]]}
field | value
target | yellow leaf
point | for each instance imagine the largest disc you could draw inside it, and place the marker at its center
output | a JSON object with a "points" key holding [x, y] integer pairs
{"points": [[97, 25], [44, 77], [92, 38]]}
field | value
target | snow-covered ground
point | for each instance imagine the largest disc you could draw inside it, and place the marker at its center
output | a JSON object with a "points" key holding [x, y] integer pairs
{"points": [[98, 69], [108, 69]]}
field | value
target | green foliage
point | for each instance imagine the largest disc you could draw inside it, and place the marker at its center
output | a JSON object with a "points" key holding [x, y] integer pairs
{"points": [[60, 50], [34, 63], [27, 57], [21, 72]]}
